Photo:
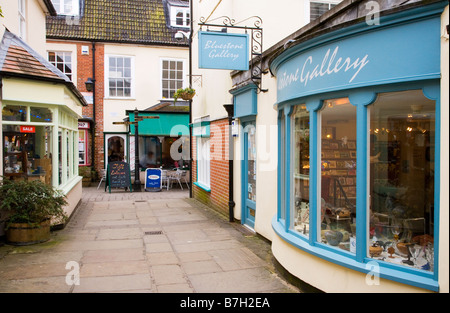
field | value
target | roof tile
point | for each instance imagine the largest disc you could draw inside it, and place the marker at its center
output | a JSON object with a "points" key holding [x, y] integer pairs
{"points": [[132, 21]]}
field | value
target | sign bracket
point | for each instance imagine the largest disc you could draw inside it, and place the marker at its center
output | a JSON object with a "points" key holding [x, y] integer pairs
{"points": [[256, 46]]}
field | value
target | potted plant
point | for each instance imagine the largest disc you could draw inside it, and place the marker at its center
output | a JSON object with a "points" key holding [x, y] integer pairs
{"points": [[31, 207], [184, 93]]}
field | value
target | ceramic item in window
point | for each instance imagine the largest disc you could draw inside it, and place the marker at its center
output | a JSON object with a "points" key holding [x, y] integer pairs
{"points": [[333, 237]]}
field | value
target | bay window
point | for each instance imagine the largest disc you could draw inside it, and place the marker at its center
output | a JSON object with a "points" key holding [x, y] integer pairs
{"points": [[361, 180]]}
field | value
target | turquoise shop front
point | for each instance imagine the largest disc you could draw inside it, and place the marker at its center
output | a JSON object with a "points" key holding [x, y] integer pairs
{"points": [[358, 177]]}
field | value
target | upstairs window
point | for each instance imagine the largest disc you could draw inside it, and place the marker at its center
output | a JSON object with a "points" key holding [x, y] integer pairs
{"points": [[61, 60], [22, 20], [172, 77], [66, 7], [119, 76], [180, 17], [317, 8]]}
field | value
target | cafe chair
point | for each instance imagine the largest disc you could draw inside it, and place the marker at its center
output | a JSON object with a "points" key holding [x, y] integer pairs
{"points": [[182, 176], [165, 179], [103, 173]]}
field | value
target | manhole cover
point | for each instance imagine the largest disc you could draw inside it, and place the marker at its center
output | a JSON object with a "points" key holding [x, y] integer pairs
{"points": [[154, 232]]}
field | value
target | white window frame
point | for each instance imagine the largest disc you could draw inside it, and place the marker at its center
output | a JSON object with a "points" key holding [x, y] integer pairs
{"points": [[22, 8], [75, 7], [64, 54], [204, 162], [185, 11], [183, 76], [329, 2], [107, 76]]}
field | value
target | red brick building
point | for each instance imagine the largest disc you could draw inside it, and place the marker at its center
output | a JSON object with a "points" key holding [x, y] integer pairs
{"points": [[86, 39]]}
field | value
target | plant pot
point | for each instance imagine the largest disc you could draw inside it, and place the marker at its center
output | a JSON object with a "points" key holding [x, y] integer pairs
{"points": [[22, 234]]}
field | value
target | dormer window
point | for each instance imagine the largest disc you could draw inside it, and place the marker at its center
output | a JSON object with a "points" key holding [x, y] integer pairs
{"points": [[66, 7], [180, 17]]}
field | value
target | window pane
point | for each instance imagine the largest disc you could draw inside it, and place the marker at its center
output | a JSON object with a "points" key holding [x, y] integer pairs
{"points": [[402, 147], [14, 113], [51, 57], [42, 115], [179, 19], [251, 162], [127, 62], [338, 173], [317, 9], [300, 167]]}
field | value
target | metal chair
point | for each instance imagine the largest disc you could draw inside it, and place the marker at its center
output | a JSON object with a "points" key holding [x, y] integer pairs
{"points": [[182, 176], [165, 179], [103, 173], [176, 177]]}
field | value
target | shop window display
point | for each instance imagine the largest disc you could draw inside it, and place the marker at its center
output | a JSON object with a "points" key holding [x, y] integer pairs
{"points": [[402, 136], [300, 137], [338, 174], [26, 152]]}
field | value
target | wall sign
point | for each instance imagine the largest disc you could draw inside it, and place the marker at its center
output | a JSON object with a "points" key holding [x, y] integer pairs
{"points": [[118, 175], [223, 51], [370, 58], [83, 125]]}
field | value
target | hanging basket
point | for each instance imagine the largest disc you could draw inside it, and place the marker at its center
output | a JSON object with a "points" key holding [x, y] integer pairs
{"points": [[187, 96]]}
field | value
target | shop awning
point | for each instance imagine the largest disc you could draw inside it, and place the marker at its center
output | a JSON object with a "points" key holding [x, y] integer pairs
{"points": [[169, 124]]}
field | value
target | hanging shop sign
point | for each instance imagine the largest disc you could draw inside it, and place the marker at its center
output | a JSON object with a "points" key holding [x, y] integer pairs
{"points": [[223, 51], [338, 65]]}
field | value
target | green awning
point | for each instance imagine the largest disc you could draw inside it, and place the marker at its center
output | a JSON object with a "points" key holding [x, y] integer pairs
{"points": [[168, 124]]}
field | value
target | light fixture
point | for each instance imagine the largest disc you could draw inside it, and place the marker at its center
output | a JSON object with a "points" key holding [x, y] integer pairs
{"points": [[89, 84]]}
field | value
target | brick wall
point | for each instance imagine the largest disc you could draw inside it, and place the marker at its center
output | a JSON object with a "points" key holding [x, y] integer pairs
{"points": [[217, 198], [85, 71]]}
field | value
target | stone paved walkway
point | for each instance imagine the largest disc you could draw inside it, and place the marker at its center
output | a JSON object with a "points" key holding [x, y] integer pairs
{"points": [[156, 242]]}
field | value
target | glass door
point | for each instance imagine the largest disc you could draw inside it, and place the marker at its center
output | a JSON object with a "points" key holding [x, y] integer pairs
{"points": [[249, 175]]}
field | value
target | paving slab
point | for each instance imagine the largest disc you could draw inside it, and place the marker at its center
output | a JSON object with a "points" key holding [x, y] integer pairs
{"points": [[143, 242]]}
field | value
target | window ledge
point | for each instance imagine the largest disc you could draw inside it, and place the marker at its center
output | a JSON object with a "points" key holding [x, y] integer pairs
{"points": [[387, 271], [204, 187], [119, 98]]}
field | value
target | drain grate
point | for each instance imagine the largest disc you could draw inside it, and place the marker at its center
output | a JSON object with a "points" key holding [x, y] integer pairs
{"points": [[154, 232]]}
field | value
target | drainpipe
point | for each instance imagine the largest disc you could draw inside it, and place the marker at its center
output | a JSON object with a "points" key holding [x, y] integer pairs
{"points": [[93, 106], [190, 101], [231, 204]]}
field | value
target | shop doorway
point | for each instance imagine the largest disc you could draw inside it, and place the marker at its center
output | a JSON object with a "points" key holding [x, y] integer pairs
{"points": [[249, 175], [115, 148]]}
